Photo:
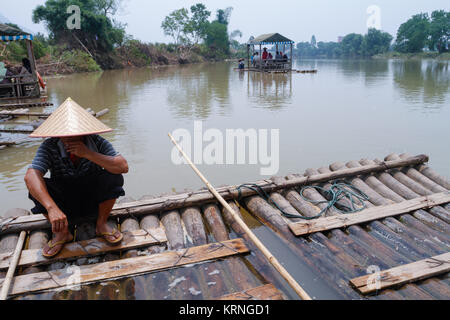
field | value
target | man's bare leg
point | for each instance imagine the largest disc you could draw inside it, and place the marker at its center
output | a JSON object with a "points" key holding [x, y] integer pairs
{"points": [[104, 210], [64, 235]]}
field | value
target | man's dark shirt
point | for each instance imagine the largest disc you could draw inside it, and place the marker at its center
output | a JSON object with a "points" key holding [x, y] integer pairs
{"points": [[53, 156]]}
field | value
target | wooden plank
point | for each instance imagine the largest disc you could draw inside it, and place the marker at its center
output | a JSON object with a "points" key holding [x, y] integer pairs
{"points": [[7, 143], [20, 131], [28, 105], [89, 248], [404, 274], [126, 267], [19, 114], [375, 213], [266, 292]]}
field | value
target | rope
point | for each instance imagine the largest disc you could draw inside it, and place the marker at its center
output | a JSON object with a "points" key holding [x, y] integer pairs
{"points": [[339, 190]]}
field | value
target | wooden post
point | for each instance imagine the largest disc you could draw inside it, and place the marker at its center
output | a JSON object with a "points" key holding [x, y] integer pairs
{"points": [[248, 56], [291, 56], [12, 266], [260, 56], [297, 288], [31, 58]]}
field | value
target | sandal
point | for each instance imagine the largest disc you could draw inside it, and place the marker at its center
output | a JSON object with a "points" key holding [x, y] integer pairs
{"points": [[111, 234], [51, 245]]}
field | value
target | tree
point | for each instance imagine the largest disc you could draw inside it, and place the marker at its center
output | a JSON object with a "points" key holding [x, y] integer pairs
{"points": [[305, 50], [352, 45], [98, 33], [439, 31], [223, 15], [376, 42], [413, 34], [217, 37], [198, 24], [177, 25], [109, 6]]}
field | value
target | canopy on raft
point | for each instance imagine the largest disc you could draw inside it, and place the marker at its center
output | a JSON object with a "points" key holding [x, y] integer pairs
{"points": [[271, 38], [8, 33]]}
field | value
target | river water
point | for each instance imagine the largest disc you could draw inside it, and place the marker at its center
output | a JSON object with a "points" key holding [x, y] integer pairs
{"points": [[347, 111]]}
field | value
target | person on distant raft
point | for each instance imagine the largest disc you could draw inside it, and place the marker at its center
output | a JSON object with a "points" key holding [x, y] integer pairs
{"points": [[265, 54], [278, 56], [241, 64], [256, 59], [86, 175]]}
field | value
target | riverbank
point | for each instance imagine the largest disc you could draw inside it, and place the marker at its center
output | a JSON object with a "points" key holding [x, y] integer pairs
{"points": [[130, 55], [54, 60], [414, 56]]}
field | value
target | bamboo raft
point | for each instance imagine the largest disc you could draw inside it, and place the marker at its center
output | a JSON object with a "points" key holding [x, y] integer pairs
{"points": [[8, 115], [305, 71], [186, 246], [277, 71], [30, 104]]}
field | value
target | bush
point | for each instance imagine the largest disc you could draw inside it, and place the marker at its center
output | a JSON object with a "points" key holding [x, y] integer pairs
{"points": [[137, 53], [16, 51], [80, 61]]}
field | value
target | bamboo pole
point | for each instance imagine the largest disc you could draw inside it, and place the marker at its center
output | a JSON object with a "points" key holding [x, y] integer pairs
{"points": [[242, 275], [407, 193], [422, 190], [12, 266], [430, 174], [425, 241], [353, 246], [297, 288], [419, 244], [223, 284], [413, 220]]}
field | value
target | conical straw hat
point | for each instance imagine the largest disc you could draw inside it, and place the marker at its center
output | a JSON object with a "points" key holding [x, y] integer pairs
{"points": [[70, 120]]}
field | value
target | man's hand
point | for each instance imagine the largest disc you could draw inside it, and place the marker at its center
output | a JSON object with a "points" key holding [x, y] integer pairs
{"points": [[58, 220], [77, 148]]}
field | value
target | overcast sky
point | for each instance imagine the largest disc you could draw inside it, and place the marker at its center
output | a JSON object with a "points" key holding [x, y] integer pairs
{"points": [[298, 20]]}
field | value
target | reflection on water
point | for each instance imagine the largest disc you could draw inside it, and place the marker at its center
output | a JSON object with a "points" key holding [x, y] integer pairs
{"points": [[195, 91], [272, 91], [348, 110], [373, 72], [423, 84]]}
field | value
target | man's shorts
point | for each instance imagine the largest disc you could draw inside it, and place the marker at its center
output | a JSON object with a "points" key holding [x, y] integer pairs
{"points": [[79, 198]]}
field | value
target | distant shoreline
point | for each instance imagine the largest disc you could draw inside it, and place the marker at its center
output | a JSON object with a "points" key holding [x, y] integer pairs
{"points": [[389, 55], [414, 56]]}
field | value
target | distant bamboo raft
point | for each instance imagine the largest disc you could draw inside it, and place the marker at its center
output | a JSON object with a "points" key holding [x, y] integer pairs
{"points": [[306, 71], [35, 124], [186, 246], [34, 104]]}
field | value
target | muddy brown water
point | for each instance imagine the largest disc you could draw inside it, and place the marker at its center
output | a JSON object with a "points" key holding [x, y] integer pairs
{"points": [[350, 109]]}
